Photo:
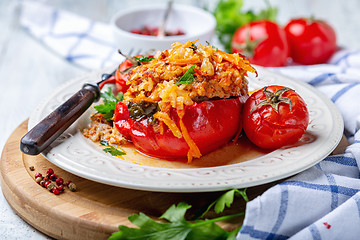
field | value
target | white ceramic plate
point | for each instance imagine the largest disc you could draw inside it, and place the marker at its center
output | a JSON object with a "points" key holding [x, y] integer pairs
{"points": [[76, 154]]}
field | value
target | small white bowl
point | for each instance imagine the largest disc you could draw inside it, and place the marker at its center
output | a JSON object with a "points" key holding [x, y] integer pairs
{"points": [[195, 22]]}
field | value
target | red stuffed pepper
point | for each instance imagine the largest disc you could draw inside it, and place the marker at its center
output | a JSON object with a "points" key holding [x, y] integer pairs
{"points": [[180, 103], [183, 102]]}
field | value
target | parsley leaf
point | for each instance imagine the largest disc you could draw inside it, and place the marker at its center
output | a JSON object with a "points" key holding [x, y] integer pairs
{"points": [[193, 46], [177, 227], [243, 194], [108, 107], [144, 59], [114, 151], [188, 77], [224, 200], [176, 213]]}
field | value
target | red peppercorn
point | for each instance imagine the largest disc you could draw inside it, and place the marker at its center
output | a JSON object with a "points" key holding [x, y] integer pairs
{"points": [[59, 181], [49, 171], [55, 190], [46, 183], [53, 176], [38, 175], [61, 188], [67, 183]]}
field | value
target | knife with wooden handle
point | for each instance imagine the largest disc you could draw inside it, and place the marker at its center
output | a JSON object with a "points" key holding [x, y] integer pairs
{"points": [[52, 126]]}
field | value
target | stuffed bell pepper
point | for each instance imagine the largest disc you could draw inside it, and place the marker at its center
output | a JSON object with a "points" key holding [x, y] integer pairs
{"points": [[183, 102]]}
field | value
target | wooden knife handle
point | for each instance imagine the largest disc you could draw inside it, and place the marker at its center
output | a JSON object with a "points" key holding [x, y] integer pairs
{"points": [[50, 128]]}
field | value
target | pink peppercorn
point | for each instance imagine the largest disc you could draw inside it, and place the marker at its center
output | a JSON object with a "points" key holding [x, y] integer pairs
{"points": [[61, 188], [55, 191], [49, 171], [38, 175], [59, 181], [46, 183]]}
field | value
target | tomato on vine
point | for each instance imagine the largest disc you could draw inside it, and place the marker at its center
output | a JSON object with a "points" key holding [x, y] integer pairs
{"points": [[275, 116]]}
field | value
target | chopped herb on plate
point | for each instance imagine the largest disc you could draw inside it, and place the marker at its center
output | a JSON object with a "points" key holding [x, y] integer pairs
{"points": [[108, 107], [144, 59], [114, 151]]}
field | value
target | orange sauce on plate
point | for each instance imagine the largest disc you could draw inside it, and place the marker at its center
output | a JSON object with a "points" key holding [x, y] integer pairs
{"points": [[232, 153]]}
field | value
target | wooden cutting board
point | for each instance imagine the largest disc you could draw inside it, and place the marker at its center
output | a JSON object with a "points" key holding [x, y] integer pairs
{"points": [[95, 210]]}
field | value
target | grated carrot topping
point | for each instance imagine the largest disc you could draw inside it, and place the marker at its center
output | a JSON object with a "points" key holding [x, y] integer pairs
{"points": [[192, 60], [194, 151], [216, 75], [164, 117]]}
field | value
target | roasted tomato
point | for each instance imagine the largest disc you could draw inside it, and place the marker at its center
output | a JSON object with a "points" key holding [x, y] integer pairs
{"points": [[121, 79], [263, 42], [275, 116], [311, 41], [210, 124]]}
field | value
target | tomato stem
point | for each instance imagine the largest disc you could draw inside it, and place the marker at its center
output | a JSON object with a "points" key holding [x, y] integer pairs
{"points": [[274, 99]]}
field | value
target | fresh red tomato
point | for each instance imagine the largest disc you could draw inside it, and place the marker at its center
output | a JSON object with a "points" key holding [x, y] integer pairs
{"points": [[263, 42], [275, 116], [210, 125], [311, 41]]}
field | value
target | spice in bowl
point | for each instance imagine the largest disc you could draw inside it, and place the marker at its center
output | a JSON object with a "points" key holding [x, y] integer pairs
{"points": [[154, 31]]}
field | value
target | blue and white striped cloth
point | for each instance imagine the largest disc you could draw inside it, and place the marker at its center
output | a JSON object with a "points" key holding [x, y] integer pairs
{"points": [[79, 40], [322, 202]]}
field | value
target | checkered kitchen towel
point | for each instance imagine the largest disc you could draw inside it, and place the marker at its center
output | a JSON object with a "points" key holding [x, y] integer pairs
{"points": [[322, 202]]}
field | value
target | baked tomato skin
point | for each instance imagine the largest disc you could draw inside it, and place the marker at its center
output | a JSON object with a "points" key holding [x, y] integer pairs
{"points": [[263, 42], [210, 124], [120, 78], [269, 129], [311, 41]]}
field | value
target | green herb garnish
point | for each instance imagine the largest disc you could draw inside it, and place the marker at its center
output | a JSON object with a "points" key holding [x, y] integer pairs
{"points": [[144, 59], [107, 109], [188, 77], [224, 200], [212, 46], [114, 151], [230, 16], [177, 227], [193, 46]]}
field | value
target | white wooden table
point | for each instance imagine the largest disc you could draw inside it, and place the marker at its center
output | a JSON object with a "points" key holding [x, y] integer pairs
{"points": [[29, 71]]}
